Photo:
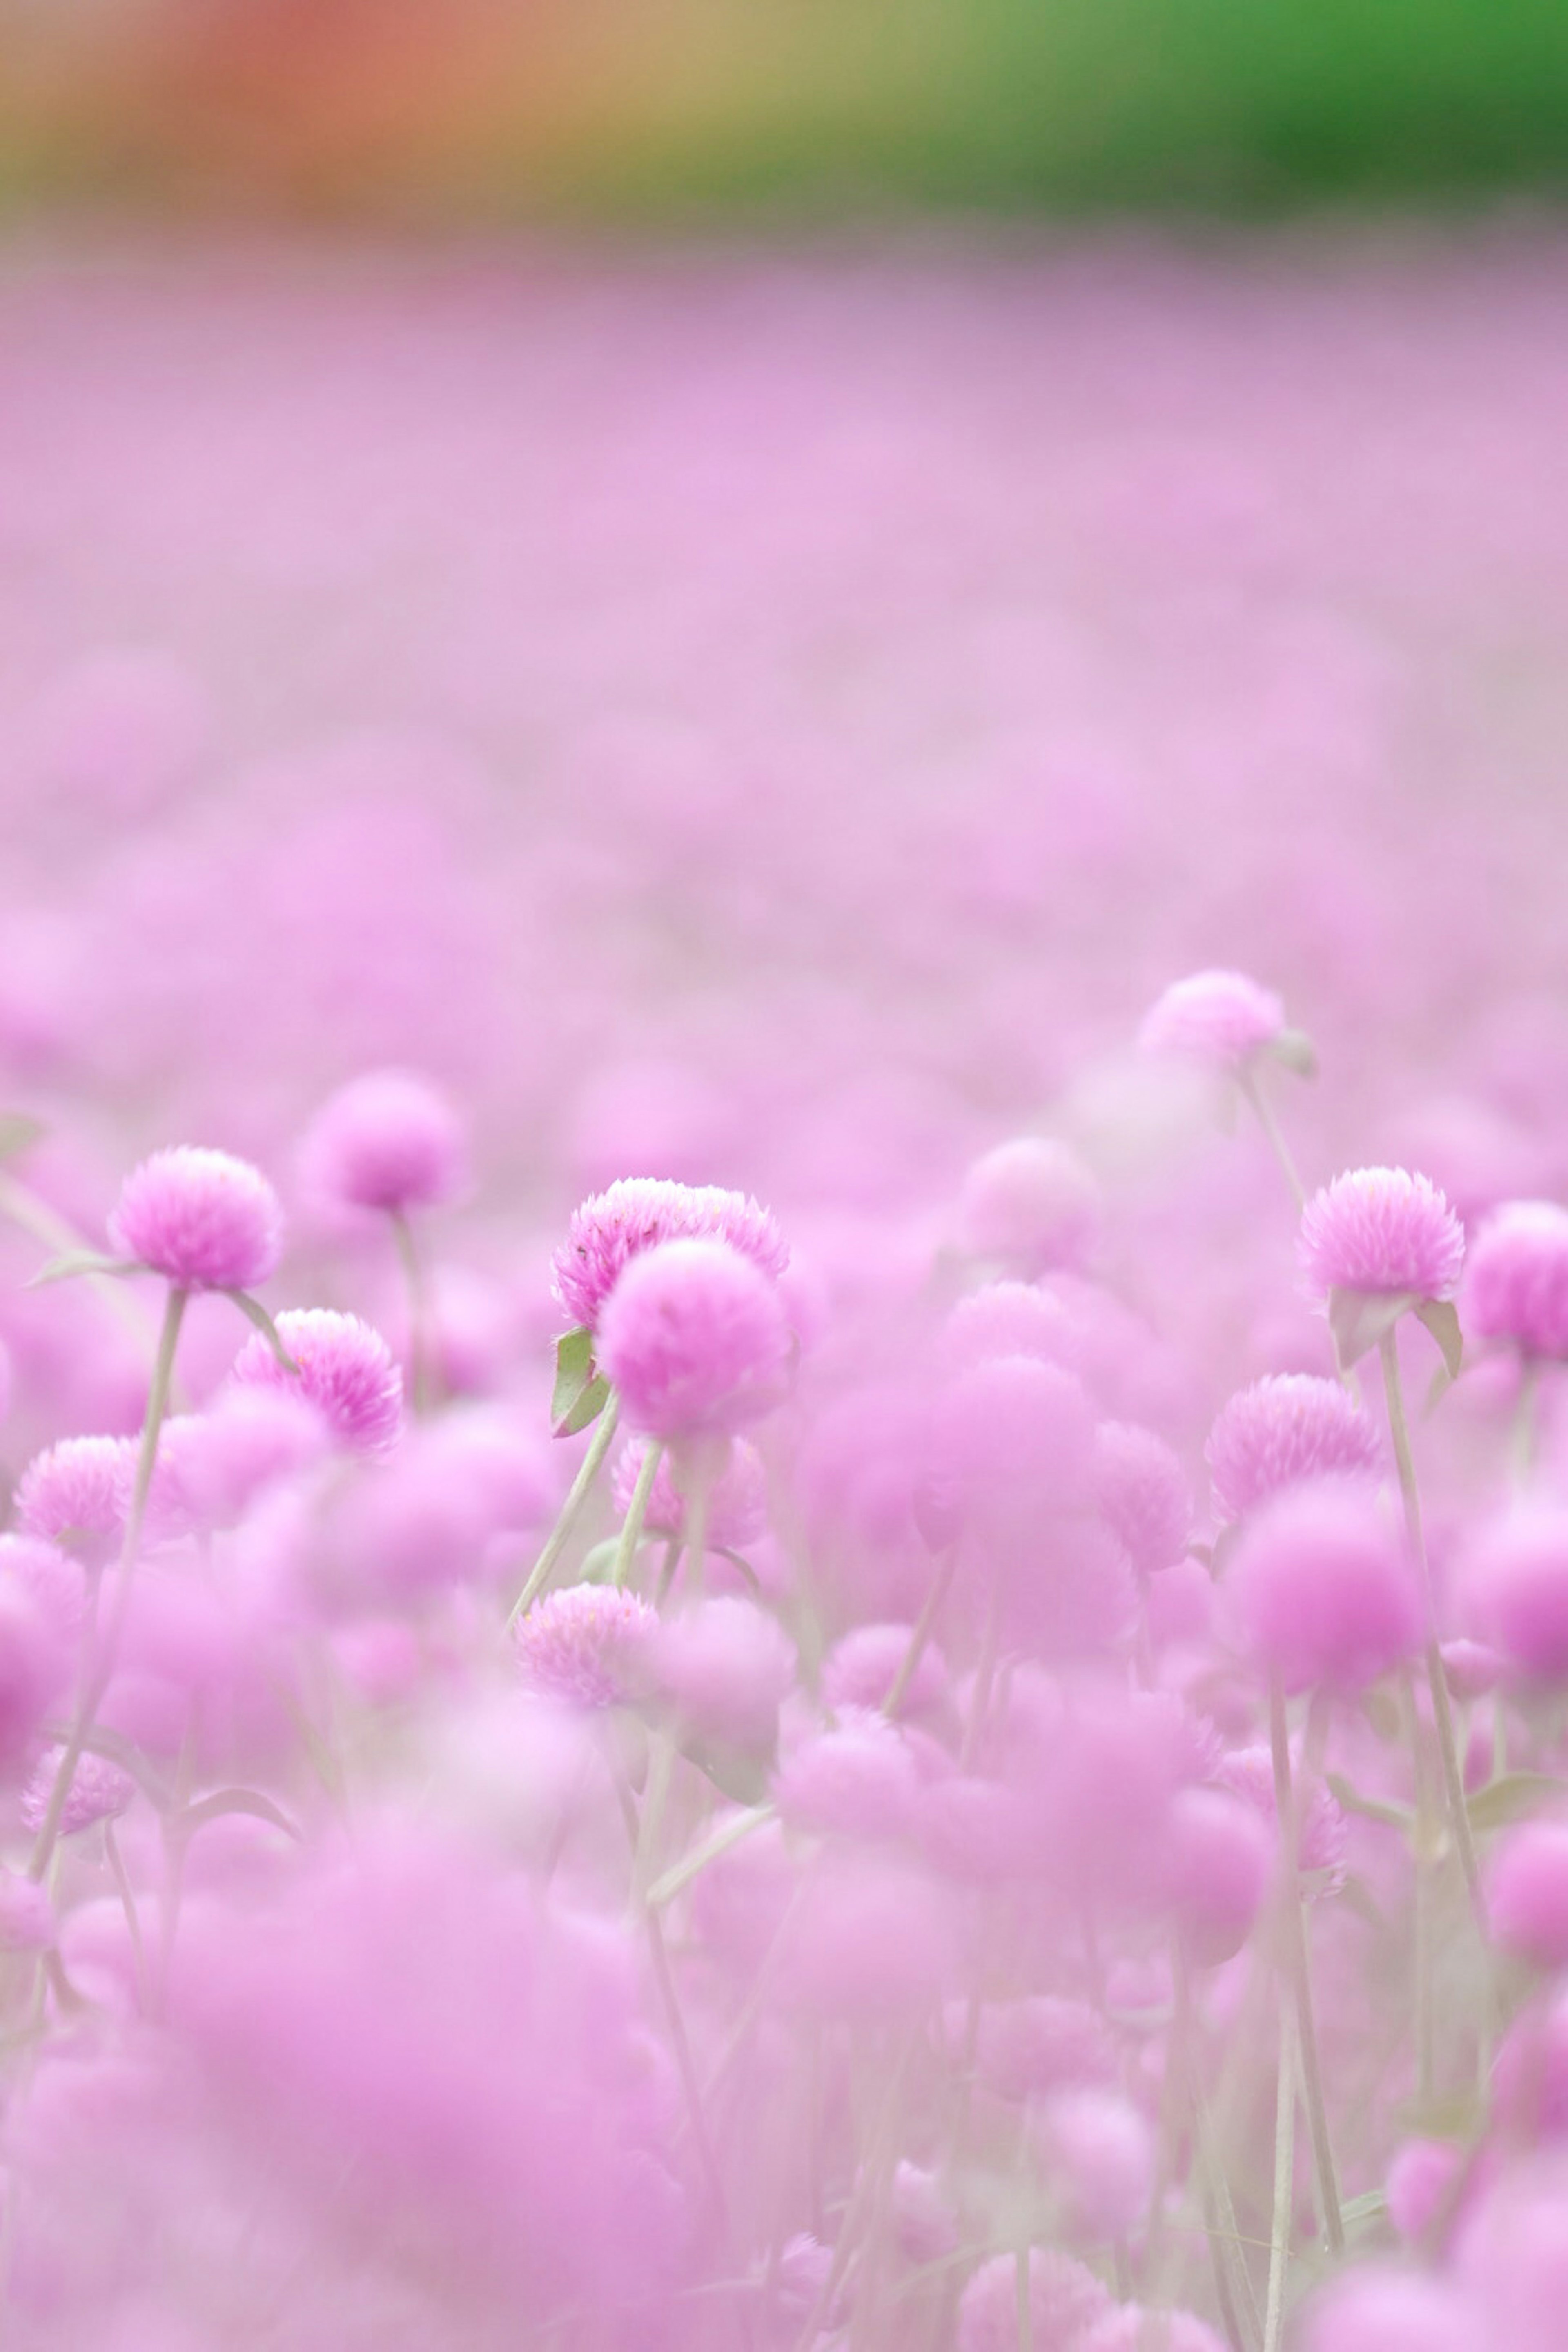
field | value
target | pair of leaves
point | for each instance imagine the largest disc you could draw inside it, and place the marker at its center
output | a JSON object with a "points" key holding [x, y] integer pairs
{"points": [[581, 1391], [1361, 1319]]}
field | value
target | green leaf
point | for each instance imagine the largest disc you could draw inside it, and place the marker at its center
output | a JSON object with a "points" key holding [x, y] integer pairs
{"points": [[588, 1407], [1396, 1817], [17, 1132], [254, 1312], [1442, 1321], [234, 1801], [1297, 1051], [1452, 2115], [70, 1263], [1382, 1711], [1371, 2205], [747, 1570], [599, 1564], [575, 1378], [1512, 1798], [1359, 1319]]}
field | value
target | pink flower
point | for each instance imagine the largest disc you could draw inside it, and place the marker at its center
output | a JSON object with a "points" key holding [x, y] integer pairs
{"points": [[1388, 2310], [1133, 2327], [81, 1485], [1528, 1893], [26, 1914], [1142, 1493], [388, 1141], [737, 1499], [857, 1781], [1422, 2175], [1011, 1318], [1381, 1229], [1065, 2300], [1324, 1596], [1030, 1203], [1516, 1277], [635, 1215], [1282, 1430], [100, 1791], [1100, 2154], [725, 1667], [693, 1339], [1218, 1017], [54, 1581], [34, 1668], [346, 1371], [591, 1645], [860, 1668], [1042, 2044], [1218, 1861], [1515, 1588], [1321, 1828], [203, 1220]]}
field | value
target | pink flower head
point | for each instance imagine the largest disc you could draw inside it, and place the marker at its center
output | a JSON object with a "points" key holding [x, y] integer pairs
{"points": [[1282, 1430], [638, 1212], [26, 1914], [1221, 1018], [203, 1220], [590, 1645], [1516, 1277], [52, 1579], [725, 1667], [1377, 2309], [862, 1666], [99, 1792], [1421, 2176], [1218, 1863], [1015, 1438], [388, 1140], [1515, 1588], [1011, 1318], [1472, 1669], [346, 1371], [737, 1499], [1028, 2049], [1324, 1596], [1133, 2327], [1065, 2301], [79, 1487], [1528, 1893], [857, 1781], [1030, 1203], [34, 1667], [1143, 1494], [694, 1339], [1321, 1835], [251, 1438], [1100, 2155], [1383, 1230]]}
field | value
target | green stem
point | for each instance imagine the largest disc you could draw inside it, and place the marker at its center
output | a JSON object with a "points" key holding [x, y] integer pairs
{"points": [[909, 1662], [571, 1509], [1274, 1136], [1442, 1714], [107, 1647], [665, 1890], [1295, 1925], [421, 1353], [1284, 2181], [637, 1512]]}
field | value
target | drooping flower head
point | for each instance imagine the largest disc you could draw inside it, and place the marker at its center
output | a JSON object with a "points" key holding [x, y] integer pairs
{"points": [[1285, 1428], [389, 1141], [100, 1791], [1030, 1203], [694, 1339], [203, 1220], [1516, 1277], [637, 1212], [79, 1487], [737, 1501], [346, 1371], [1324, 1595], [1383, 1230], [1220, 1018], [589, 1646]]}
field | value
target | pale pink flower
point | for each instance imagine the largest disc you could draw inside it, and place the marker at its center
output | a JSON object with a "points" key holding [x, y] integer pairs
{"points": [[1135, 2327], [694, 1340], [1381, 1229], [81, 1486], [388, 1140], [1099, 2153], [1376, 2309], [1284, 1429], [1516, 1277], [858, 1780], [736, 1502], [100, 1791], [203, 1220], [345, 1370], [1221, 1018], [1143, 1494], [637, 1212], [1325, 1596], [1321, 1833], [1419, 2180], [1515, 1589], [860, 1669], [1030, 1204], [1527, 1893], [1065, 2300], [26, 1914], [1218, 1860], [590, 1645]]}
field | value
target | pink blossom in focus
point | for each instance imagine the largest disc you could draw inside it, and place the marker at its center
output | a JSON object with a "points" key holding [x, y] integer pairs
{"points": [[1381, 1229], [203, 1220], [636, 1213]]}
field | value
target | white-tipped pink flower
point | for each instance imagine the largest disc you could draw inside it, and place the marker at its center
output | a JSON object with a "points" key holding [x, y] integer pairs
{"points": [[590, 1646]]}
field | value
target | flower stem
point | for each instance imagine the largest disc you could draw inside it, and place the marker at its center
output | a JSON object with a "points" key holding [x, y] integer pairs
{"points": [[1274, 1137], [908, 1663], [107, 1647], [637, 1512], [1295, 1925], [571, 1509], [1284, 2181], [421, 1352], [1442, 1714]]}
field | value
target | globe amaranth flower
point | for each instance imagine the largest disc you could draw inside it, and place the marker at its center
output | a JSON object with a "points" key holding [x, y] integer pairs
{"points": [[590, 1646], [1219, 1018], [1514, 1584], [1143, 1494], [636, 1214], [1527, 1893], [203, 1220], [78, 1486], [389, 1142], [1132, 2328], [694, 1339], [1032, 1203], [737, 1501], [1516, 1277], [1065, 2300], [1321, 1831], [1381, 1229], [345, 1370], [1285, 1428], [1324, 1596], [100, 1791]]}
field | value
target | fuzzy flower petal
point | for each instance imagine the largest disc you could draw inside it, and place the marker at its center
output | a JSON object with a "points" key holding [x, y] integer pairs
{"points": [[346, 1371], [1221, 1018], [1382, 1230], [1281, 1430], [1516, 1277], [636, 1214], [203, 1220]]}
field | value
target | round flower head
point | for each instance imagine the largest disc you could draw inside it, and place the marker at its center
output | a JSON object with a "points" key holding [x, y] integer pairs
{"points": [[1321, 1828], [346, 1371], [203, 1220], [1218, 1863], [1143, 1494], [737, 1498], [1528, 1893], [53, 1581], [1516, 1591], [1420, 2180], [1516, 1277], [1132, 2328], [80, 1487], [1065, 2300], [725, 1667], [694, 1339], [1100, 2153], [1031, 1203], [388, 1140], [1470, 1669], [250, 1439], [637, 1213], [857, 1781], [1388, 2310], [1221, 1018], [1010, 1318], [590, 1645], [863, 1666], [1381, 1229], [1289, 1427], [26, 1914], [1045, 2043], [1324, 1596], [99, 1792]]}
